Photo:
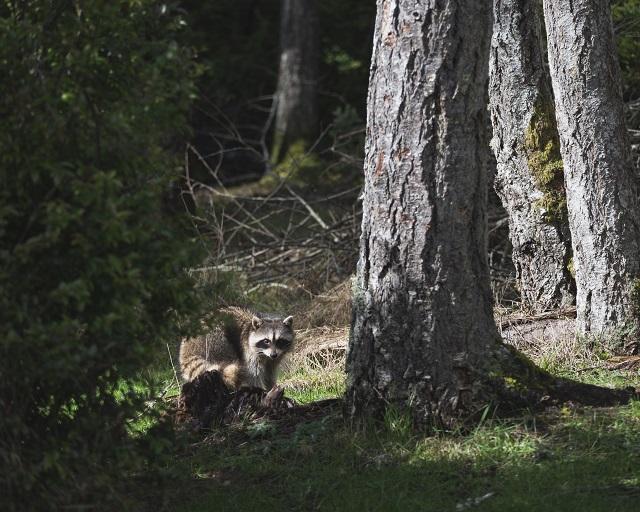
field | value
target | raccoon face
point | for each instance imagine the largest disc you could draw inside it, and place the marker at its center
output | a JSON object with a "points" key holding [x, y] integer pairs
{"points": [[271, 337]]}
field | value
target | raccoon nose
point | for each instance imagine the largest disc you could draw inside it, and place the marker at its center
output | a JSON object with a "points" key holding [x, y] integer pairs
{"points": [[273, 355]]}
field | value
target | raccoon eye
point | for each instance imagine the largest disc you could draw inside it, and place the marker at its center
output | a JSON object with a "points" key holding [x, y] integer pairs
{"points": [[283, 342], [263, 343]]}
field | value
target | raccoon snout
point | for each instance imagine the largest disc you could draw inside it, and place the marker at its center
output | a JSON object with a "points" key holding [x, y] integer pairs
{"points": [[273, 355]]}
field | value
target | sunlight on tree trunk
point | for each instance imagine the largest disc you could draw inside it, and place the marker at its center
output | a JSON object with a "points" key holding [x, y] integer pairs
{"points": [[601, 182], [423, 338], [529, 177], [422, 304]]}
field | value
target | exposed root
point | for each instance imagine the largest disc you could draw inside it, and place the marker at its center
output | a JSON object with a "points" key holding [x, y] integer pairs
{"points": [[520, 319], [202, 401], [206, 402], [624, 363]]}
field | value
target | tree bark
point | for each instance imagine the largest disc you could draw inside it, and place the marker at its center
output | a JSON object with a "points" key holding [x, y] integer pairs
{"points": [[423, 338], [296, 94], [601, 182], [422, 303], [529, 178]]}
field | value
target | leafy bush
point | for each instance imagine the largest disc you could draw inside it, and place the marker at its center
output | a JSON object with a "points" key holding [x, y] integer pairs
{"points": [[91, 267]]}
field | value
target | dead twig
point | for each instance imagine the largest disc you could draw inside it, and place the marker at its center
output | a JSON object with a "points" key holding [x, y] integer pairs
{"points": [[569, 312]]}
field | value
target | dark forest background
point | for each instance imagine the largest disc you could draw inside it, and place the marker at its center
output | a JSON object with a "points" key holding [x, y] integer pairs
{"points": [[138, 193]]}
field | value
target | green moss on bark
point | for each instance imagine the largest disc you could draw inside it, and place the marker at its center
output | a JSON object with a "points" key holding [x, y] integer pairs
{"points": [[542, 146], [571, 267], [299, 165]]}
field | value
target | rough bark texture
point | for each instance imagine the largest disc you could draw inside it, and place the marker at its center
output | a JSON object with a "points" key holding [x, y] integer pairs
{"points": [[601, 183], [529, 177], [423, 336], [422, 304], [296, 95]]}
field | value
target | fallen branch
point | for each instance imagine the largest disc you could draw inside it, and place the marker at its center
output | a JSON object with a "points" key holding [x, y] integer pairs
{"points": [[569, 312]]}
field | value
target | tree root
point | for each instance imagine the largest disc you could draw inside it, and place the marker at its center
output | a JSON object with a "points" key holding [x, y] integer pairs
{"points": [[206, 402]]}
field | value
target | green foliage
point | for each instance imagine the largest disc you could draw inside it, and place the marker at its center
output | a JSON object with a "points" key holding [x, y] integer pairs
{"points": [[542, 146], [91, 268], [626, 19]]}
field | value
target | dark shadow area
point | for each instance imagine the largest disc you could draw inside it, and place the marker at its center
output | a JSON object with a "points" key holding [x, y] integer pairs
{"points": [[582, 459]]}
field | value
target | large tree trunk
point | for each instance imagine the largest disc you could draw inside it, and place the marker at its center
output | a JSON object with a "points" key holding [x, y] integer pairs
{"points": [[601, 183], [296, 95], [422, 304], [423, 336], [529, 178]]}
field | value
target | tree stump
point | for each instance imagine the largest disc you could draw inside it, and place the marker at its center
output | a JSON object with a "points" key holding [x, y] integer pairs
{"points": [[206, 402]]}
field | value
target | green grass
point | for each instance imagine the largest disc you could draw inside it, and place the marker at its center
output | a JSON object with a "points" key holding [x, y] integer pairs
{"points": [[573, 460], [310, 385], [567, 459]]}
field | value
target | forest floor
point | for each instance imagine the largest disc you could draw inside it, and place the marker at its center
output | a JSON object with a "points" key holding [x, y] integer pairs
{"points": [[565, 459], [570, 458]]}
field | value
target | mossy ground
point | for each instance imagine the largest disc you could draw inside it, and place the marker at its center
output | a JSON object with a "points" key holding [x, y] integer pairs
{"points": [[298, 165], [304, 167]]}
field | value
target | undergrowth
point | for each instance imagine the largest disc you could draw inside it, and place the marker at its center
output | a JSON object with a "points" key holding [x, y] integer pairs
{"points": [[566, 459]]}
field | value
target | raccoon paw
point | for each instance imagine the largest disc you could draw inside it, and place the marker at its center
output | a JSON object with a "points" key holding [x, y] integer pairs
{"points": [[275, 399]]}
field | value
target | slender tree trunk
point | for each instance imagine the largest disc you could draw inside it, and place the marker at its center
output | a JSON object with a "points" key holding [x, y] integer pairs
{"points": [[529, 178], [422, 304], [601, 182], [296, 95]]}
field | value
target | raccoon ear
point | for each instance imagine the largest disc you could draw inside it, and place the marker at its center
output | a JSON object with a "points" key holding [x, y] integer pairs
{"points": [[256, 322], [288, 321]]}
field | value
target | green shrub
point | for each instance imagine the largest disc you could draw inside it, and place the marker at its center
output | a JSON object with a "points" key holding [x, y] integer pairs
{"points": [[92, 274]]}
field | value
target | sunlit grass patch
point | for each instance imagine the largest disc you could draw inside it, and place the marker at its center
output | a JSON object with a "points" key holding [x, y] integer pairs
{"points": [[566, 460], [305, 385]]}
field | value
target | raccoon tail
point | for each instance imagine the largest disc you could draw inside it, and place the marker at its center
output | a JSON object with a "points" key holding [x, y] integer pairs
{"points": [[195, 366]]}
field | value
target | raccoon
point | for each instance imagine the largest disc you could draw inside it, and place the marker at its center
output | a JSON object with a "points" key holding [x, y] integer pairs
{"points": [[246, 350]]}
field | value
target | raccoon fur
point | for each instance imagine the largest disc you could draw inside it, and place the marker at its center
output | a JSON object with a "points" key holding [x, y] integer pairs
{"points": [[246, 349]]}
